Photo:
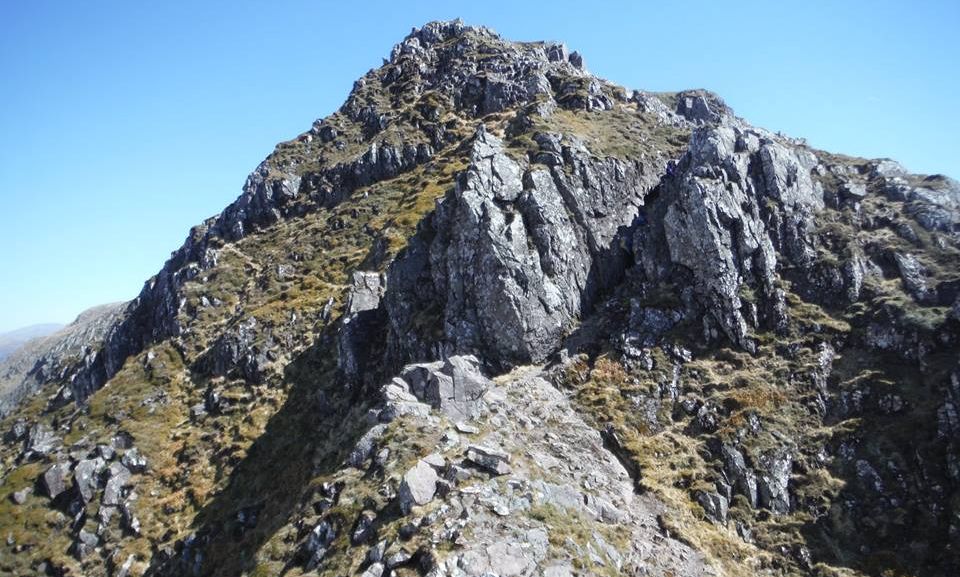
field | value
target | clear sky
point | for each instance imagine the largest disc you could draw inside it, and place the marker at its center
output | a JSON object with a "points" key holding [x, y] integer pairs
{"points": [[124, 123]]}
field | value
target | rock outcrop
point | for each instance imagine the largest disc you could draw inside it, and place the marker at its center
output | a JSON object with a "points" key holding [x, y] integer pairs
{"points": [[738, 201], [515, 254]]}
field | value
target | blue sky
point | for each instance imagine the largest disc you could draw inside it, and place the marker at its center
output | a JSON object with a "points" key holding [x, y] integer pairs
{"points": [[124, 123]]}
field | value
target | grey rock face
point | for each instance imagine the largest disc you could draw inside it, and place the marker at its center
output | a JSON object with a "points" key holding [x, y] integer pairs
{"points": [[272, 192], [18, 431], [509, 264], [648, 324], [130, 520], [438, 58], [418, 487], [513, 256], [119, 478], [363, 530], [53, 357], [587, 483], [736, 201], [520, 74], [399, 401], [700, 106], [235, 352], [935, 204], [948, 415], [85, 544], [365, 292], [853, 191]]}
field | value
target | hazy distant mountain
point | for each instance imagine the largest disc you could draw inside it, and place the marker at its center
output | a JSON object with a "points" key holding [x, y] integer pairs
{"points": [[13, 340]]}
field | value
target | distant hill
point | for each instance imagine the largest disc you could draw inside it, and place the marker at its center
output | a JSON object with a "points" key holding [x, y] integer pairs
{"points": [[13, 340]]}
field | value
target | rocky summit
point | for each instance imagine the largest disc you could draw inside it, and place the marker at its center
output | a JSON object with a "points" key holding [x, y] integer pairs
{"points": [[497, 316]]}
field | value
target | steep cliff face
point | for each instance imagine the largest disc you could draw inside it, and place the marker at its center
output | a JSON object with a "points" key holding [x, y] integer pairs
{"points": [[499, 316]]}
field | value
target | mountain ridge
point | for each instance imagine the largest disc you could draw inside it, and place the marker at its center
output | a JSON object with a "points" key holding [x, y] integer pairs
{"points": [[392, 353]]}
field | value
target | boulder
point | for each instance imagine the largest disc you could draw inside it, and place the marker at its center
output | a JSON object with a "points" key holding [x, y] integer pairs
{"points": [[125, 568], [106, 451], [318, 543], [130, 520], [455, 386], [418, 487], [86, 477], [913, 275], [363, 530], [365, 445], [398, 401], [17, 432], [492, 460], [41, 441], [695, 107], [375, 553], [366, 290], [853, 191], [85, 544], [134, 461], [121, 441], [20, 497], [55, 479], [118, 478], [556, 52], [397, 558]]}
